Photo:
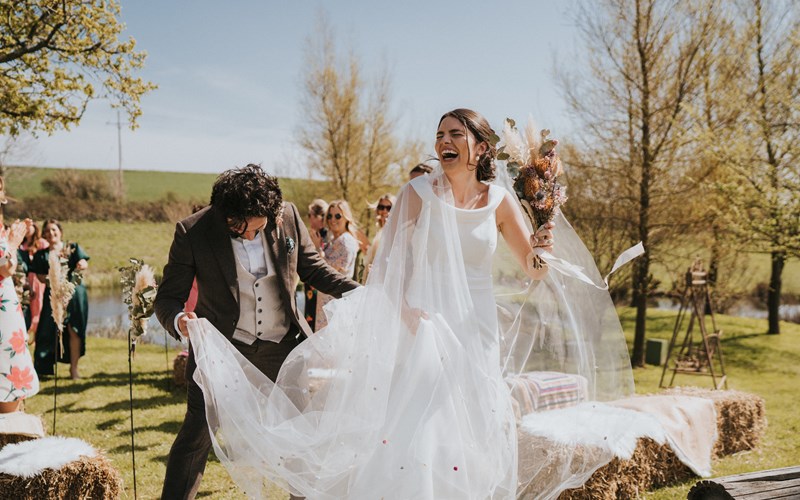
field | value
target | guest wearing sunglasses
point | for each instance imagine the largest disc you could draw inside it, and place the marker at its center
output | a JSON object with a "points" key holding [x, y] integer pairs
{"points": [[319, 235], [382, 210], [340, 252]]}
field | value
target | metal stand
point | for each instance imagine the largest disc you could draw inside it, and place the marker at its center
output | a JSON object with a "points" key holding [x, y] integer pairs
{"points": [[696, 358]]}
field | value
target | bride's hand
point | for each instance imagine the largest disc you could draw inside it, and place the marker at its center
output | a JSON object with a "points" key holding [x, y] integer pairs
{"points": [[543, 237], [411, 317]]}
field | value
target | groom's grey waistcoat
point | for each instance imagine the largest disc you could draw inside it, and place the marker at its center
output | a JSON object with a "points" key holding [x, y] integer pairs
{"points": [[261, 313]]}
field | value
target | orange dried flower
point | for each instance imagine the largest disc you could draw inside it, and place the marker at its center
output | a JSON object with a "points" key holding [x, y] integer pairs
{"points": [[541, 165]]}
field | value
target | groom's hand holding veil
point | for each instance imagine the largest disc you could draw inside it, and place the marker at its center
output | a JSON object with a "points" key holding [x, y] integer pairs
{"points": [[183, 320]]}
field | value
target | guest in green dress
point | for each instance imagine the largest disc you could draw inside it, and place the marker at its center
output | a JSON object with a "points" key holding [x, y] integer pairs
{"points": [[77, 314]]}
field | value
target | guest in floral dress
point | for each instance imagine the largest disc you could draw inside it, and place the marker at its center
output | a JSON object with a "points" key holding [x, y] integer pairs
{"points": [[18, 379], [340, 252]]}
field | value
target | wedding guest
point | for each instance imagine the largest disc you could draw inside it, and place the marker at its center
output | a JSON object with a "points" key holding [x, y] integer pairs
{"points": [[32, 243], [18, 379], [382, 209], [77, 311], [340, 252], [319, 235], [418, 170]]}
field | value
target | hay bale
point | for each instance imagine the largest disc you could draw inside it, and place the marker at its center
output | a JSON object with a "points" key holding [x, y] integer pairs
{"points": [[652, 466], [93, 478], [179, 368], [741, 418], [18, 426], [542, 462]]}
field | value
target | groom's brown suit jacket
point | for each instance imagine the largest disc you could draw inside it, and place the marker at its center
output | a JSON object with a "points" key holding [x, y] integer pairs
{"points": [[202, 249]]}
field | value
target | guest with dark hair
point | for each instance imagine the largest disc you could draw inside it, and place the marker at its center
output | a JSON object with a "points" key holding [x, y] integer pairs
{"points": [[418, 170], [382, 210], [320, 236], [77, 313]]}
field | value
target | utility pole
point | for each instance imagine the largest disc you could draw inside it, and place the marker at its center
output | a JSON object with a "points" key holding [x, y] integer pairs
{"points": [[120, 182]]}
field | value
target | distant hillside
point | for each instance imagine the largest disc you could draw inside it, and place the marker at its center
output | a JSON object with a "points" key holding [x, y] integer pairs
{"points": [[26, 182]]}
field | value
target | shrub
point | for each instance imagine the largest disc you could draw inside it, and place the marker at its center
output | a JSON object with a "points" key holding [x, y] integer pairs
{"points": [[85, 186]]}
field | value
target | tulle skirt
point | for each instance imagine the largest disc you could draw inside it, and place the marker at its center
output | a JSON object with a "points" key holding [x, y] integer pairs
{"points": [[390, 414]]}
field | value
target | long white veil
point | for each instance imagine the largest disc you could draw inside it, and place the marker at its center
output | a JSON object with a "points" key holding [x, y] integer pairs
{"points": [[402, 395], [564, 331]]}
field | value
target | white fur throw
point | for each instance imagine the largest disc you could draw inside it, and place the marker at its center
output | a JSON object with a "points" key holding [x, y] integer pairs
{"points": [[29, 458]]}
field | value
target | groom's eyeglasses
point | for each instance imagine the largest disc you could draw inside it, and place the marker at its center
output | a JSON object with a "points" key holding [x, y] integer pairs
{"points": [[338, 216], [383, 207]]}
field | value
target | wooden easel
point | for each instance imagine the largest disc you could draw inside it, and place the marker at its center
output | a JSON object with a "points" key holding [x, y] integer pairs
{"points": [[696, 358]]}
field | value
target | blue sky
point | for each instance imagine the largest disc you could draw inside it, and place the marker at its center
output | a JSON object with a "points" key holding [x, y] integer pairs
{"points": [[229, 75]]}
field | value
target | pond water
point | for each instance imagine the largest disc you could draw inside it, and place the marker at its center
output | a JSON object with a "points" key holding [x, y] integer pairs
{"points": [[744, 308]]}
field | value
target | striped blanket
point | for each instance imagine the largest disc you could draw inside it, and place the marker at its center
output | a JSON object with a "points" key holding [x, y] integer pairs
{"points": [[539, 391]]}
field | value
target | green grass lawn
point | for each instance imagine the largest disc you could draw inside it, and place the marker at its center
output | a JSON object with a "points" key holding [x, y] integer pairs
{"points": [[143, 185], [111, 244], [96, 408]]}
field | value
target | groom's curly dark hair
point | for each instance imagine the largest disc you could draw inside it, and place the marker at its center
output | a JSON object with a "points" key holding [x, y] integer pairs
{"points": [[240, 193]]}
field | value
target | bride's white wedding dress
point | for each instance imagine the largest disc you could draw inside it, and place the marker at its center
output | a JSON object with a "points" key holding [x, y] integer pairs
{"points": [[369, 408], [392, 413]]}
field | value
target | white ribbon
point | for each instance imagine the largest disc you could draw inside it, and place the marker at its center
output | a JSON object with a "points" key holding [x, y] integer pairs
{"points": [[569, 269]]}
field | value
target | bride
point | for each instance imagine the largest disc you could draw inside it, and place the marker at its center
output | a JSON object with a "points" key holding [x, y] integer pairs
{"points": [[403, 395]]}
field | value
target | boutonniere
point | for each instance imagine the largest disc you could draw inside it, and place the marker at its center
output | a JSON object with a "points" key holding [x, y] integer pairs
{"points": [[289, 244]]}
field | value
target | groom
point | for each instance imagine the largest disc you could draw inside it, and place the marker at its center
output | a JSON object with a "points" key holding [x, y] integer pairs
{"points": [[245, 250]]}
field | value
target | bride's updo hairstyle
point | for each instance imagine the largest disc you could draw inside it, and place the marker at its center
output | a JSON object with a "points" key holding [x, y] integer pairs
{"points": [[479, 126]]}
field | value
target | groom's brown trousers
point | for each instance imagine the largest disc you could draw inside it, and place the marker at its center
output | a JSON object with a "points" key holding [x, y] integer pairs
{"points": [[189, 453]]}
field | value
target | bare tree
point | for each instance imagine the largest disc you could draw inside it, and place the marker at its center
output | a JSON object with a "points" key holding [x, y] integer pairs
{"points": [[642, 57], [350, 132]]}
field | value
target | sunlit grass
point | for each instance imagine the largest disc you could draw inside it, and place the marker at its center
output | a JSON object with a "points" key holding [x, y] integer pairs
{"points": [[96, 408]]}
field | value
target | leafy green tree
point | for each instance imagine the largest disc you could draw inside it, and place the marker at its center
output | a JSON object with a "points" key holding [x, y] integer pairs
{"points": [[56, 56], [753, 131]]}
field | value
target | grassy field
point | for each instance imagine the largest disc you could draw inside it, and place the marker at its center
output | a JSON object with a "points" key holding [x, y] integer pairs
{"points": [[140, 185], [111, 244], [96, 408]]}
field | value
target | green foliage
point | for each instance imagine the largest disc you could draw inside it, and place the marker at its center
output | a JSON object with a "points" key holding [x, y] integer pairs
{"points": [[54, 55]]}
